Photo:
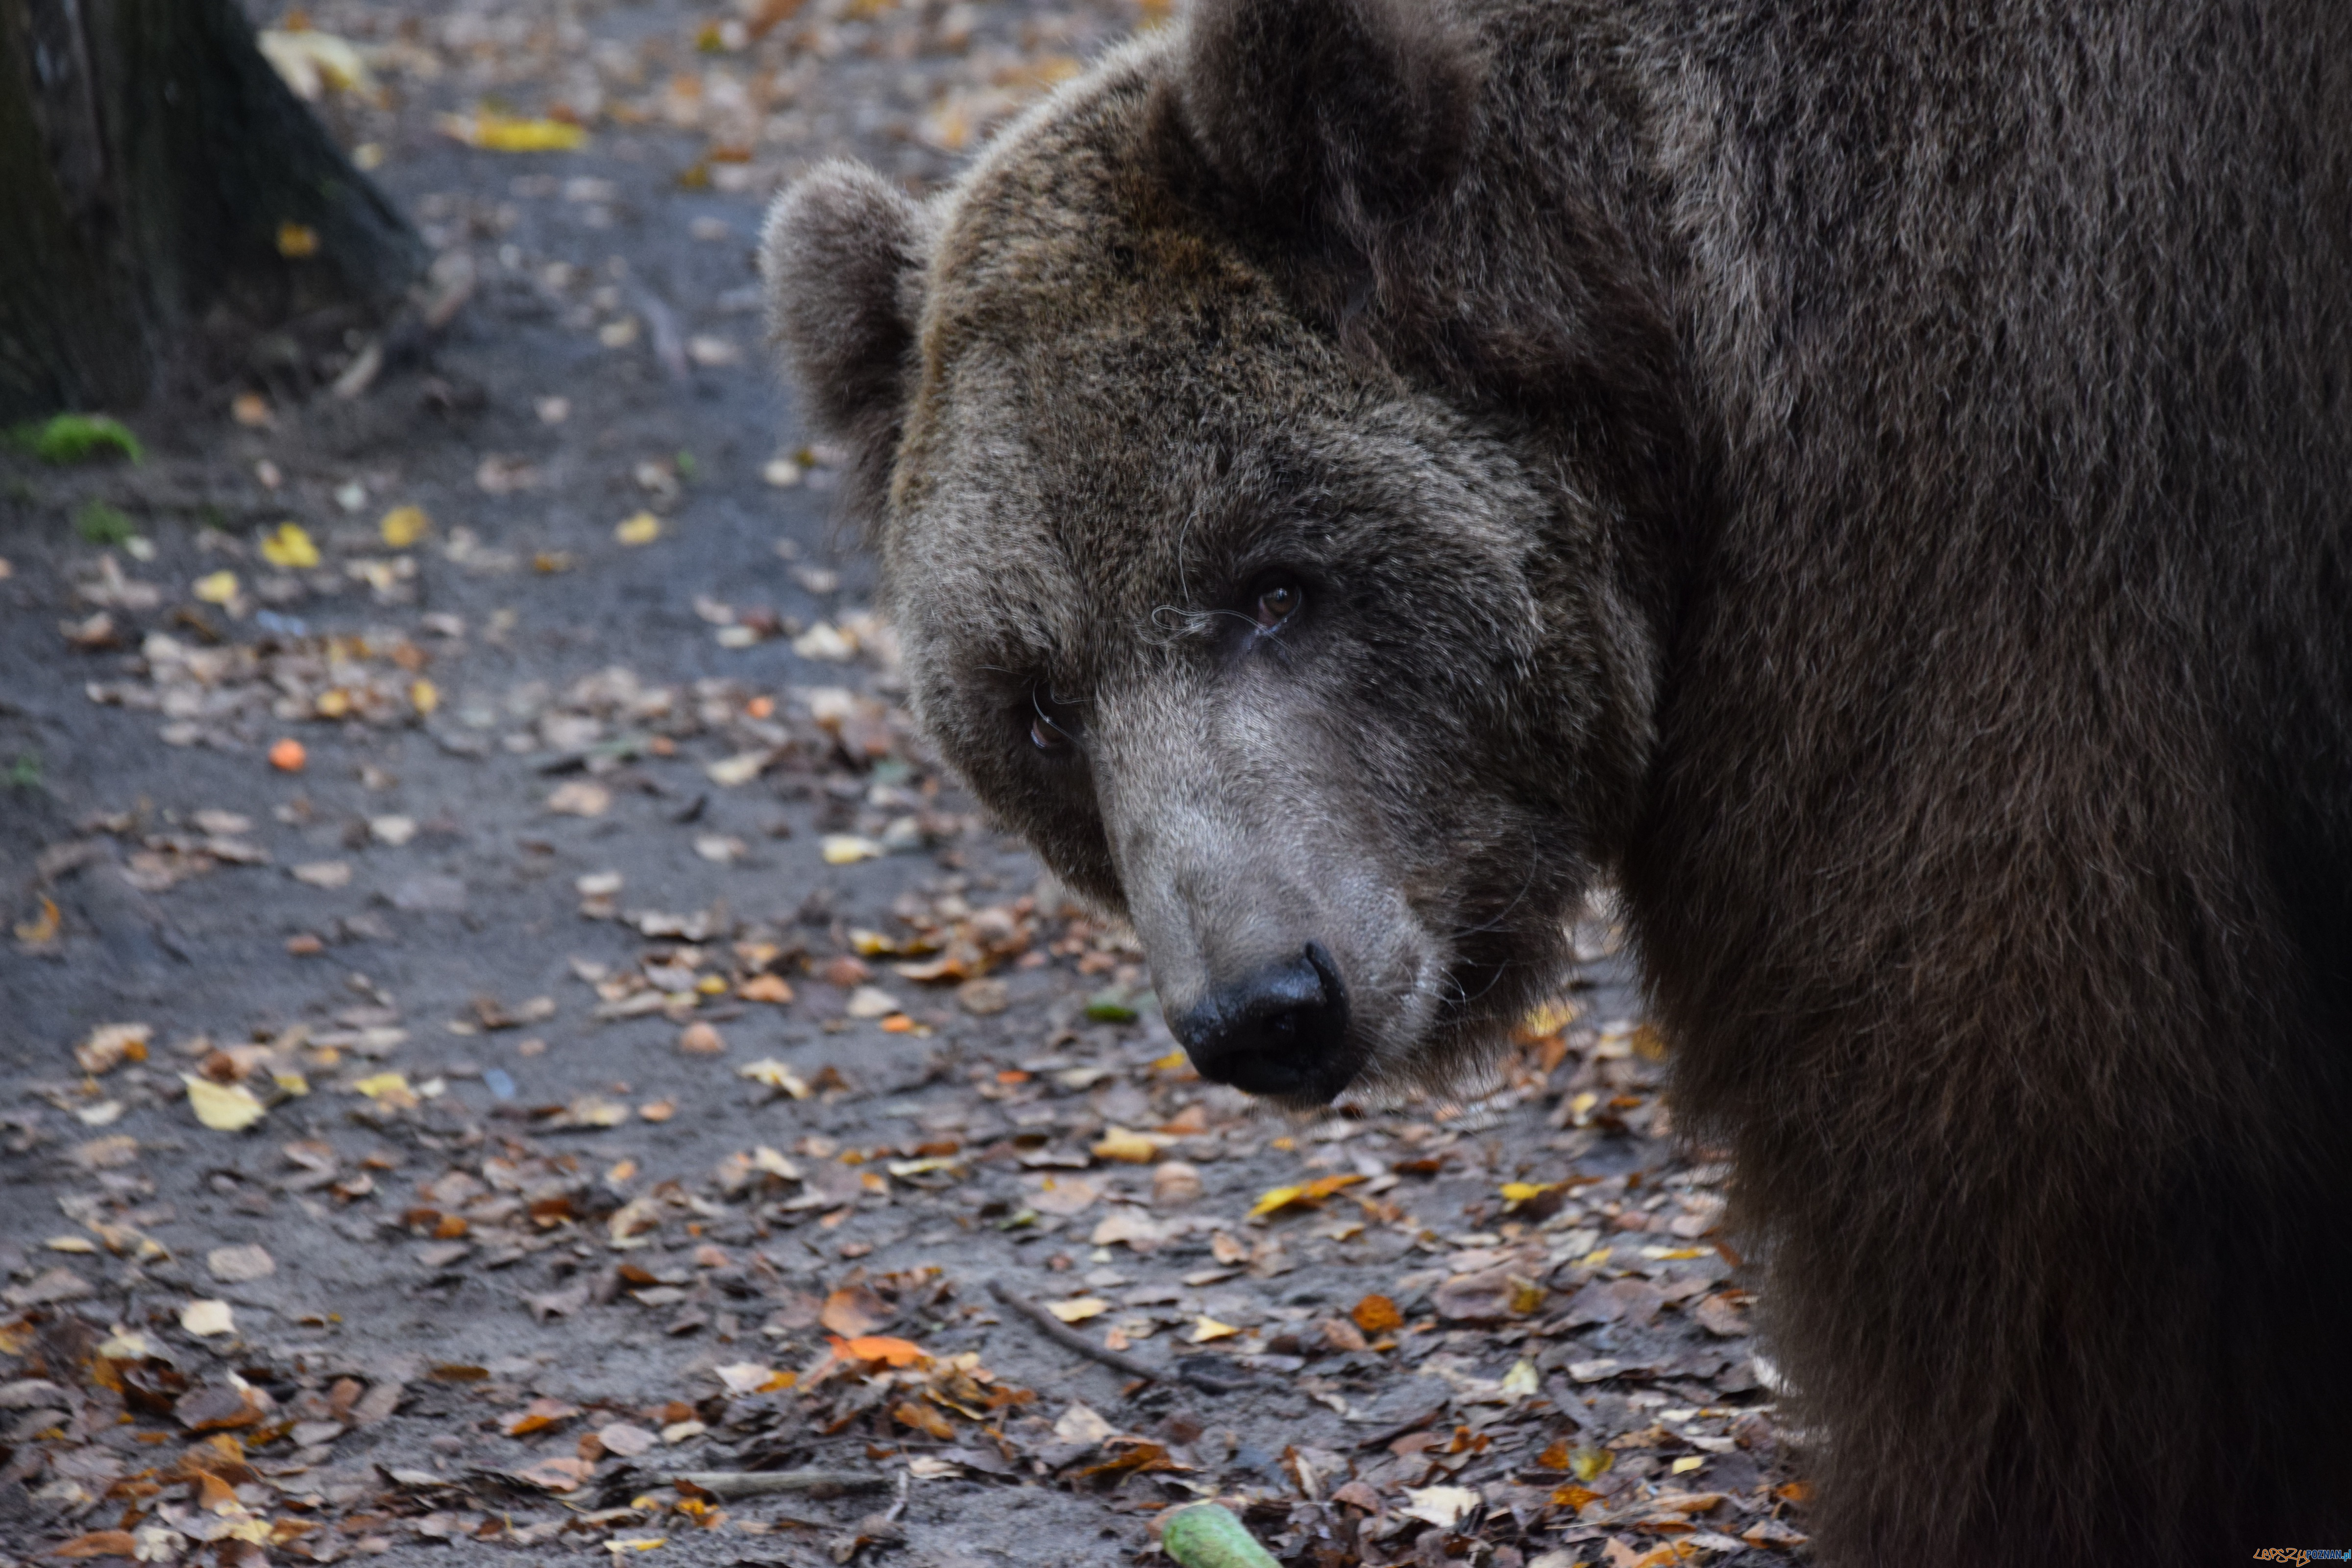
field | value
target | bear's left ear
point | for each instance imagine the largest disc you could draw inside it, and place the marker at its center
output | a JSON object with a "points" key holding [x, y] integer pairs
{"points": [[843, 255], [1316, 112]]}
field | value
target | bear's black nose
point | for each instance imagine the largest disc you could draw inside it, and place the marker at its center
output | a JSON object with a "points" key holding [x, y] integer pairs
{"points": [[1280, 1031]]}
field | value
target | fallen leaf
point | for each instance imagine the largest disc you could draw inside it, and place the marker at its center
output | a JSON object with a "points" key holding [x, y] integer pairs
{"points": [[854, 1311], [1208, 1329], [538, 1417], [288, 756], [770, 988], [230, 1108], [97, 1543], [111, 1044], [324, 873], [923, 1418], [848, 848], [751, 1377], [1444, 1507], [288, 546], [403, 526], [215, 587], [1276, 1199], [880, 1347], [494, 132], [625, 1440], [557, 1474], [1129, 1148], [1079, 1308], [775, 1074], [204, 1319], [1376, 1315], [580, 798], [699, 1040], [642, 529], [1080, 1423], [236, 1265]]}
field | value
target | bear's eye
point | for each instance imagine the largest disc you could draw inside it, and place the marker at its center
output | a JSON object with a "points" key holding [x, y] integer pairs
{"points": [[1047, 735], [1276, 603], [1052, 726]]}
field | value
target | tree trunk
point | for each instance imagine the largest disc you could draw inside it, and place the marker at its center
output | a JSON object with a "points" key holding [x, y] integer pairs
{"points": [[151, 162]]}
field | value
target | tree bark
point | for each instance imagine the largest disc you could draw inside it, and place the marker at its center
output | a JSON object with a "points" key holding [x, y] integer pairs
{"points": [[150, 159]]}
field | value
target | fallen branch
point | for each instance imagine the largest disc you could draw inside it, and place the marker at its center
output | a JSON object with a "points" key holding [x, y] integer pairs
{"points": [[1069, 1338], [761, 1483]]}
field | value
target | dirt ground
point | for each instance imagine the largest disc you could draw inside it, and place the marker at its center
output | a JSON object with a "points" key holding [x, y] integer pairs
{"points": [[616, 1053]]}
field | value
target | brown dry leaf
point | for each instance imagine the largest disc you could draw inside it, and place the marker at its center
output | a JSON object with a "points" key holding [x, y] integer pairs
{"points": [[699, 1040], [97, 1543], [1719, 1315], [580, 798], [111, 1044], [557, 1474], [855, 1311], [924, 1419], [538, 1416], [1376, 1315]]}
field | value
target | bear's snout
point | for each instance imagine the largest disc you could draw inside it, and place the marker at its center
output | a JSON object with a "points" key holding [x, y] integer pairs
{"points": [[1280, 1030]]}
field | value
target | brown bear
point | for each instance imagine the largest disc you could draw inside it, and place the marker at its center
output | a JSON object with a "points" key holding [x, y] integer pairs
{"points": [[1870, 479]]}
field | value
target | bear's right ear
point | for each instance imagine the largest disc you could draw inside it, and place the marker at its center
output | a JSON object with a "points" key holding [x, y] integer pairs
{"points": [[1346, 113], [843, 255]]}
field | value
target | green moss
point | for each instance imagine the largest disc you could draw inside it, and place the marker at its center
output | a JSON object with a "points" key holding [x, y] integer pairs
{"points": [[65, 439], [102, 524], [25, 773]]}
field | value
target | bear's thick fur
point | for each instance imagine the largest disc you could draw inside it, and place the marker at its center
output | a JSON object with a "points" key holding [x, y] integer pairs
{"points": [[1871, 478]]}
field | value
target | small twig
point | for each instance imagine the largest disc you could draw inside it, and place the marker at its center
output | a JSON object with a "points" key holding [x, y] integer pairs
{"points": [[759, 1483], [1069, 1338]]}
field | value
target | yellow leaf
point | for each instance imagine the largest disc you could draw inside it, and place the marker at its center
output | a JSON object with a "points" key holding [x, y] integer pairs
{"points": [[40, 931], [297, 241], [290, 1082], [1549, 1018], [1312, 1192], [1132, 1148], [1209, 1328], [642, 529], [204, 1319], [621, 1543], [1685, 1466], [775, 1074], [1073, 1311], [496, 132], [389, 1089], [70, 1244], [290, 547], [423, 696], [216, 588], [848, 848], [230, 1108], [1517, 1193], [1585, 1464], [403, 526]]}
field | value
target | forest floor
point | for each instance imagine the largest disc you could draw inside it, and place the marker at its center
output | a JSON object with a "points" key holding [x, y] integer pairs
{"points": [[616, 1054]]}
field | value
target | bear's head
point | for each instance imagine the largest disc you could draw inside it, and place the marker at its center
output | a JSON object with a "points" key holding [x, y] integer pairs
{"points": [[1319, 671]]}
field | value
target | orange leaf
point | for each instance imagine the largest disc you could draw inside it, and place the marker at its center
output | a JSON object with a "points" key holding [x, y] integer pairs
{"points": [[97, 1543], [922, 1418], [538, 1416], [881, 1348], [1377, 1315]]}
